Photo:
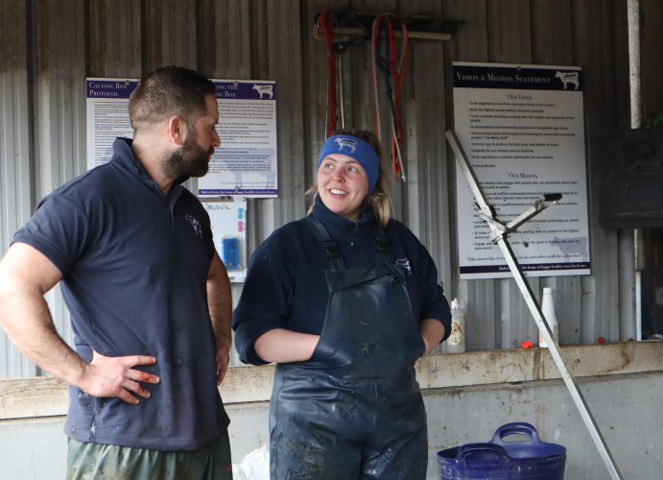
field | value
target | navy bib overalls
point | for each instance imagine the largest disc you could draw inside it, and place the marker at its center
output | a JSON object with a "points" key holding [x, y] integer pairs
{"points": [[354, 410]]}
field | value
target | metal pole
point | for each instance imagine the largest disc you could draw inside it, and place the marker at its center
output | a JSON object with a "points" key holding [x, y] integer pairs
{"points": [[340, 82], [526, 290], [634, 30]]}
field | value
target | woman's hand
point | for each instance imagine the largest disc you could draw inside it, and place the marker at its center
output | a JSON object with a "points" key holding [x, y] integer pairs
{"points": [[285, 346], [432, 331]]}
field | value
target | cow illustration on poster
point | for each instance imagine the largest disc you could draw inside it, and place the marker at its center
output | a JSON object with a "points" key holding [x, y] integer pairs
{"points": [[522, 129], [265, 89], [569, 78]]}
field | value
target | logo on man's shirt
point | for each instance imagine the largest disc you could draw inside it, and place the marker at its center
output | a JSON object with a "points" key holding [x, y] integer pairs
{"points": [[196, 225], [405, 263]]}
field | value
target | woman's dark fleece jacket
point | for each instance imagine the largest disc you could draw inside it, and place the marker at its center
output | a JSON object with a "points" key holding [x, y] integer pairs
{"points": [[286, 286]]}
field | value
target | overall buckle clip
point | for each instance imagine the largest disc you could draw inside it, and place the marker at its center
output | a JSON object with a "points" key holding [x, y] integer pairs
{"points": [[331, 248], [381, 244]]}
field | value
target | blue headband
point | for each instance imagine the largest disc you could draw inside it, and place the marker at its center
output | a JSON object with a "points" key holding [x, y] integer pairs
{"points": [[359, 150]]}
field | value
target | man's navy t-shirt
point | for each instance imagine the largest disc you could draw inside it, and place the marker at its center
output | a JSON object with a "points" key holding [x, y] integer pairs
{"points": [[134, 266]]}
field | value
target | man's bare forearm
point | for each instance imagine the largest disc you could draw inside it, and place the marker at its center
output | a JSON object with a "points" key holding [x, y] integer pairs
{"points": [[25, 276], [219, 302], [27, 321], [219, 299]]}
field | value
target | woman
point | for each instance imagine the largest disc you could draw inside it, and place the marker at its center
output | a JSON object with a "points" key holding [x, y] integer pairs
{"points": [[344, 301]]}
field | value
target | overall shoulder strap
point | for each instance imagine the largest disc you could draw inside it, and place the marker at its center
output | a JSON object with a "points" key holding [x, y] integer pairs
{"points": [[330, 246], [381, 244]]}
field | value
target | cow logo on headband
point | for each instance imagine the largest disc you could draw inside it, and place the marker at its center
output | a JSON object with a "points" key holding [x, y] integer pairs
{"points": [[346, 142]]}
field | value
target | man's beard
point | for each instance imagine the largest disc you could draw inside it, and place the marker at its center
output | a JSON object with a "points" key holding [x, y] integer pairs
{"points": [[190, 160]]}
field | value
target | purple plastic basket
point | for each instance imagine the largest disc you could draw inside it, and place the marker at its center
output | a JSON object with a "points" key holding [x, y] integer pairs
{"points": [[499, 460]]}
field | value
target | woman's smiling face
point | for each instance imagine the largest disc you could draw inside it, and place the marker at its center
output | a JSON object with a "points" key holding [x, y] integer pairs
{"points": [[342, 185]]}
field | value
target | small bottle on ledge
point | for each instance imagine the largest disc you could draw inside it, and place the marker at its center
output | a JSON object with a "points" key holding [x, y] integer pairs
{"points": [[456, 340], [548, 310]]}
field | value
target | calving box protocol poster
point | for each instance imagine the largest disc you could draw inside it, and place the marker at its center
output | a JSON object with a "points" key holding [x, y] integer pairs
{"points": [[107, 112], [245, 164], [522, 129]]}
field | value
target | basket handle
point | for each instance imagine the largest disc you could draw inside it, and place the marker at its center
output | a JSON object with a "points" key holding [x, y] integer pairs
{"points": [[516, 428], [476, 448]]}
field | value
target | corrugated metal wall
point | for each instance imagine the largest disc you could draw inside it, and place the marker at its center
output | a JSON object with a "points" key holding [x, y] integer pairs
{"points": [[16, 165], [49, 47]]}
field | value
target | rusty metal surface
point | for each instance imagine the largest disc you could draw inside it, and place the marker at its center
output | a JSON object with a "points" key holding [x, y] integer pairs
{"points": [[652, 67], [115, 39]]}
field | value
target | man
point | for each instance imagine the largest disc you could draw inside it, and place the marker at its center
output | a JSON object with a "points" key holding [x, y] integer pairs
{"points": [[148, 295]]}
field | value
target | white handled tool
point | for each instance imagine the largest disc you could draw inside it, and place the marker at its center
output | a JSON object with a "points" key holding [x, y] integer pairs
{"points": [[499, 232]]}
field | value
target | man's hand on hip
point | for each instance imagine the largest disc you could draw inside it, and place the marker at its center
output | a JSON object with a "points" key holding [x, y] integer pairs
{"points": [[26, 275], [115, 377]]}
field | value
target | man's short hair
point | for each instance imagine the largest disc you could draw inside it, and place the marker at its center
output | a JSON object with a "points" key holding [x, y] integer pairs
{"points": [[167, 92]]}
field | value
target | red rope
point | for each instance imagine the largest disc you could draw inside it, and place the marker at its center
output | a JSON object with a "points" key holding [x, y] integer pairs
{"points": [[327, 25], [376, 30], [394, 70], [390, 64], [398, 96]]}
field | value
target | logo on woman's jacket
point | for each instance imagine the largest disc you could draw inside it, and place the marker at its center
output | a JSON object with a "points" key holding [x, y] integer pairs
{"points": [[405, 263]]}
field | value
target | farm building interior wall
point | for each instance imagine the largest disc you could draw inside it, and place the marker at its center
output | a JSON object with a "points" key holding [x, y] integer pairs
{"points": [[50, 47]]}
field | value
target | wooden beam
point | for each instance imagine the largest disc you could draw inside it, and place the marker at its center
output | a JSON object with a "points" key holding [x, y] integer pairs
{"points": [[33, 397], [357, 32], [46, 396]]}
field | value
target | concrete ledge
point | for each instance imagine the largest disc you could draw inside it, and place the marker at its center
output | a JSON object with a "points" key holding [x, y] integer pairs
{"points": [[46, 396]]}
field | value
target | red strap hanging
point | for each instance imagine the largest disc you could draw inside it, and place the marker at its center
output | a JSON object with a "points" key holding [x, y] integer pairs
{"points": [[326, 21], [375, 32], [395, 74]]}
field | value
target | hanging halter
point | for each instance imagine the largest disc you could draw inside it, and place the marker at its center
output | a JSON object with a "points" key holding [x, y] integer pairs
{"points": [[387, 66]]}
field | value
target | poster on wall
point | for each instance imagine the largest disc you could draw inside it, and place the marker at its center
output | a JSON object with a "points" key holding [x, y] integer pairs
{"points": [[522, 129], [107, 116], [245, 164], [228, 222]]}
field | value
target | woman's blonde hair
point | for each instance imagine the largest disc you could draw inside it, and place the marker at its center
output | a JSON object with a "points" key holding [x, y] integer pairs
{"points": [[379, 199]]}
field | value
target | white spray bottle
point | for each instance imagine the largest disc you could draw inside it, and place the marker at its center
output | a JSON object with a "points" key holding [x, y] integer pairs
{"points": [[548, 310], [456, 340]]}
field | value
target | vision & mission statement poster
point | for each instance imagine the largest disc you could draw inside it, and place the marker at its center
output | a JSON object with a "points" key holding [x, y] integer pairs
{"points": [[522, 129]]}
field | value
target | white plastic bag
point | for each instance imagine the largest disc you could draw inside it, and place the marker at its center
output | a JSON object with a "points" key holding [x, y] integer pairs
{"points": [[254, 467]]}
